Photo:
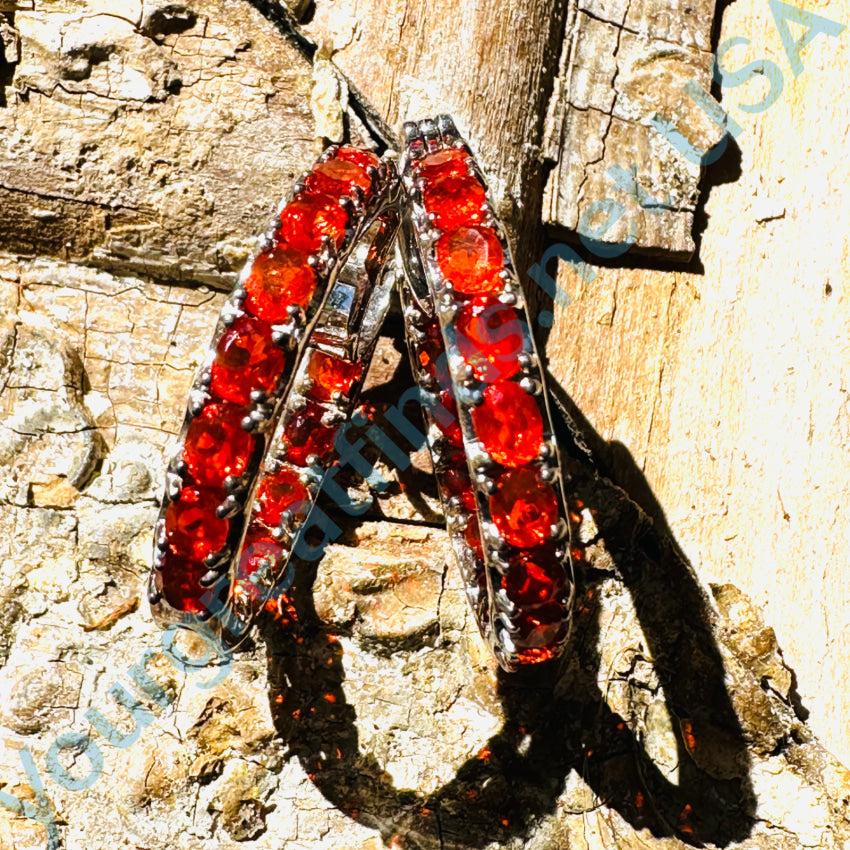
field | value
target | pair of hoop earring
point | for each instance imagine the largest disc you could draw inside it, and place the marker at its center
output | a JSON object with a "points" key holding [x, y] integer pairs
{"points": [[268, 408]]}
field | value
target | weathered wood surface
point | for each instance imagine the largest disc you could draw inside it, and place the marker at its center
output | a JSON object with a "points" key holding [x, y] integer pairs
{"points": [[728, 387], [674, 721]]}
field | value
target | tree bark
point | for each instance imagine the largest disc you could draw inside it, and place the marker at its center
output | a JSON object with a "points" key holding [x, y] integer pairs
{"points": [[142, 148]]}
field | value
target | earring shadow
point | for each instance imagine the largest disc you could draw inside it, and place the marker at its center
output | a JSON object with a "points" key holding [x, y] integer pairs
{"points": [[564, 723]]}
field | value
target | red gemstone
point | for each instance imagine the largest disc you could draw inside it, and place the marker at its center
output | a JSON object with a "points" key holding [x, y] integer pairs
{"points": [[364, 159], [445, 415], [258, 560], [472, 535], [535, 577], [216, 444], [307, 218], [540, 627], [450, 161], [508, 424], [180, 583], [331, 375], [432, 355], [280, 278], [454, 200], [279, 492], [246, 359], [489, 338], [454, 481], [338, 177], [471, 258], [192, 528], [524, 508], [306, 435]]}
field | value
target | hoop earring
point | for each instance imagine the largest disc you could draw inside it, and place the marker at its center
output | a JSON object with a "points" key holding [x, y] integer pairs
{"points": [[283, 371], [490, 431]]}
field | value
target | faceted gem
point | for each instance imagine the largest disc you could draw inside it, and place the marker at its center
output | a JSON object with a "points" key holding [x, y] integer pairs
{"points": [[524, 508], [541, 626], [279, 492], [472, 535], [359, 157], [454, 200], [309, 217], [508, 424], [306, 435], [432, 355], [471, 258], [180, 583], [338, 177], [535, 577], [451, 161], [246, 359], [216, 444], [260, 552], [489, 338], [445, 415], [280, 278], [455, 482], [192, 528], [331, 375]]}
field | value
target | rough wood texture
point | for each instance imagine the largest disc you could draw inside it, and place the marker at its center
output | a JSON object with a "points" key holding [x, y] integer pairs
{"points": [[623, 64], [728, 388], [377, 721]]}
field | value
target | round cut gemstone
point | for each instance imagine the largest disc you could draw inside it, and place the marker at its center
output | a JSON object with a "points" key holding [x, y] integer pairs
{"points": [[257, 563], [216, 444], [445, 415], [472, 535], [432, 355], [280, 492], [279, 278], [489, 338], [306, 435], [455, 482], [454, 200], [535, 577], [524, 508], [331, 375], [192, 528], [180, 583], [246, 359], [541, 626], [364, 159], [450, 161], [508, 424], [471, 258], [309, 217], [338, 177]]}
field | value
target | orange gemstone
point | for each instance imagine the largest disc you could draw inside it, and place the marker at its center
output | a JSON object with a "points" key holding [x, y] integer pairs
{"points": [[364, 159], [279, 278], [508, 424], [524, 508], [331, 375], [471, 258], [489, 338], [445, 415], [472, 535], [192, 528], [454, 200], [246, 359], [338, 177], [306, 435], [452, 161], [279, 492], [309, 217], [217, 445]]}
